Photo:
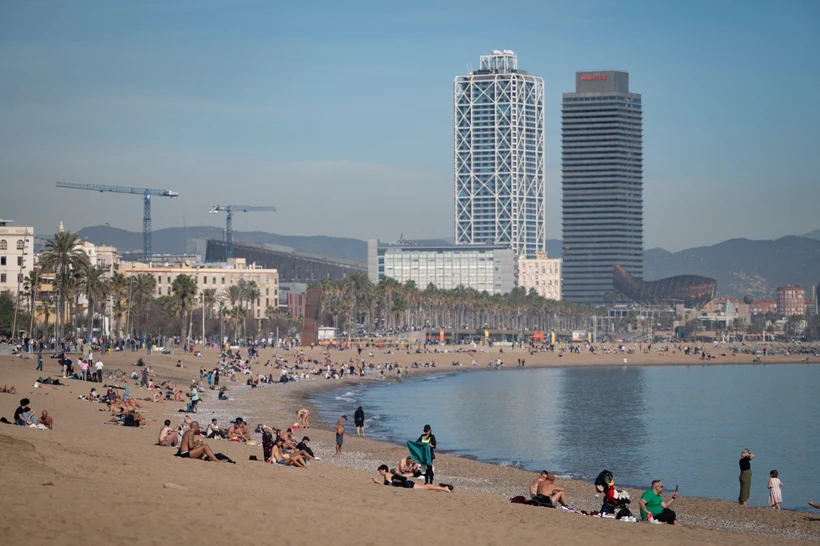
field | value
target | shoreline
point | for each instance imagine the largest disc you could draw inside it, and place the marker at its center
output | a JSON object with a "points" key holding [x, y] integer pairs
{"points": [[479, 486]]}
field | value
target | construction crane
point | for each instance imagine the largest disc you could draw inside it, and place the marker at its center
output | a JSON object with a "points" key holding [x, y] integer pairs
{"points": [[146, 209], [230, 209]]}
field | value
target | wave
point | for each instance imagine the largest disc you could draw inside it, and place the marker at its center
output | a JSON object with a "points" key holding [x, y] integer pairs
{"points": [[350, 396]]}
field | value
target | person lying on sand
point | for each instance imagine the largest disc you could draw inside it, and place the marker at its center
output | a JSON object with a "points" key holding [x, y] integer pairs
{"points": [[8, 390], [279, 457], [549, 492], [408, 468], [395, 480], [45, 420], [193, 448], [167, 435]]}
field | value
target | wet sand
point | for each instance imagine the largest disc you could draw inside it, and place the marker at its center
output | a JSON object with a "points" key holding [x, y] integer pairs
{"points": [[87, 482]]}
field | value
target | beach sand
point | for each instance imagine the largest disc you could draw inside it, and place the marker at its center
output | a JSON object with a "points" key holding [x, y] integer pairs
{"points": [[87, 482]]}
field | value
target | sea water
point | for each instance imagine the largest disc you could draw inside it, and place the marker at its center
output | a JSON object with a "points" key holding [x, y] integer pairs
{"points": [[685, 425]]}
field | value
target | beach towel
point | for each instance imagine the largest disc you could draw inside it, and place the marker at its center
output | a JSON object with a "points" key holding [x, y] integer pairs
{"points": [[420, 452]]}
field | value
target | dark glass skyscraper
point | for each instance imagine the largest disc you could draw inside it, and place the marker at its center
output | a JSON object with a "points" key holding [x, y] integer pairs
{"points": [[602, 184]]}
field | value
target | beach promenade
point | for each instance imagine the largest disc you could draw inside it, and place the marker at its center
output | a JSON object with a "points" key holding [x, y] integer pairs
{"points": [[88, 482]]}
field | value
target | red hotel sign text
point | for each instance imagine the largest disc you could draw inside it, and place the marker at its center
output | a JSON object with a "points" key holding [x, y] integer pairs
{"points": [[596, 77]]}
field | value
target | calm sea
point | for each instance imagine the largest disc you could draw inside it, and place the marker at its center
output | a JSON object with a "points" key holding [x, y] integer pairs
{"points": [[685, 425]]}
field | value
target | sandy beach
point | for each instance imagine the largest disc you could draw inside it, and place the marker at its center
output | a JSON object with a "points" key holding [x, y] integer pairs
{"points": [[87, 482]]}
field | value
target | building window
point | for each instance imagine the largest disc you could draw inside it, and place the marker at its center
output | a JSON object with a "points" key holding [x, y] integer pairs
{"points": [[20, 245], [2, 277], [20, 261], [3, 244], [2, 260], [19, 277]]}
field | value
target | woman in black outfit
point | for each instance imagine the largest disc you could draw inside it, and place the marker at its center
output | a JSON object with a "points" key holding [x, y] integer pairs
{"points": [[429, 438], [745, 476]]}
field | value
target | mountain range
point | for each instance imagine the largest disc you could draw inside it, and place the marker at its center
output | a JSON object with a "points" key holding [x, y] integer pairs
{"points": [[741, 266]]}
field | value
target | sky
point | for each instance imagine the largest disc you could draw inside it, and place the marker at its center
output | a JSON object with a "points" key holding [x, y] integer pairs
{"points": [[340, 114]]}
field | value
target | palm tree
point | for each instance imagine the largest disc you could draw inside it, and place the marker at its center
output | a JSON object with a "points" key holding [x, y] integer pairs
{"points": [[184, 290], [142, 288], [93, 284], [63, 257], [118, 287], [30, 284], [358, 291], [209, 295]]}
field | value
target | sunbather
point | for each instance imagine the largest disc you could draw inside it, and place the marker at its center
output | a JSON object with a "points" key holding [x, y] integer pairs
{"points": [[395, 480], [194, 448], [8, 390], [168, 436], [45, 420], [279, 457]]}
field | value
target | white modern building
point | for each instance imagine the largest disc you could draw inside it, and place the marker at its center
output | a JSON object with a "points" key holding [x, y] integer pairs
{"points": [[16, 256], [542, 274], [499, 156], [489, 268]]}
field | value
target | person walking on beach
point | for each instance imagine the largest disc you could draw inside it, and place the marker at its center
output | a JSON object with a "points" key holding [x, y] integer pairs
{"points": [[746, 457], [340, 434], [428, 437], [358, 419], [775, 495]]}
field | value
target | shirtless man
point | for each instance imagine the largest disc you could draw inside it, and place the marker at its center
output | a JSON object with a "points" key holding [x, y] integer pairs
{"points": [[340, 434], [167, 435], [9, 390], [548, 490], [46, 420], [236, 432], [536, 482], [281, 458], [408, 468], [193, 448]]}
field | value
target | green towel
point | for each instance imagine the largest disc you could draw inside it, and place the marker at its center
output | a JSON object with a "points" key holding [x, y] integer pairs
{"points": [[420, 452]]}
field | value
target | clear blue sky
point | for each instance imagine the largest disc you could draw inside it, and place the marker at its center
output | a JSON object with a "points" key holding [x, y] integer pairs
{"points": [[340, 113]]}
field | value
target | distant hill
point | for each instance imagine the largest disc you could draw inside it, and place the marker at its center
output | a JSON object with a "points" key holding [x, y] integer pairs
{"points": [[174, 240], [812, 234], [742, 266]]}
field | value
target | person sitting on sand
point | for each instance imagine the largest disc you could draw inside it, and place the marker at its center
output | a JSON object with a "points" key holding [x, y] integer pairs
{"points": [[167, 435], [550, 494], [388, 478], [235, 433], [536, 482], [23, 416], [45, 420], [8, 390], [213, 430], [193, 448], [223, 393], [408, 468], [305, 451], [653, 507], [93, 396], [279, 457]]}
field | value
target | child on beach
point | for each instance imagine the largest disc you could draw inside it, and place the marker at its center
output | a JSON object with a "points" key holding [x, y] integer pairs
{"points": [[775, 495]]}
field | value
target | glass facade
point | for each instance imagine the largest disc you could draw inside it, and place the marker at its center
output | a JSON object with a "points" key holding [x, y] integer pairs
{"points": [[499, 156], [602, 141]]}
